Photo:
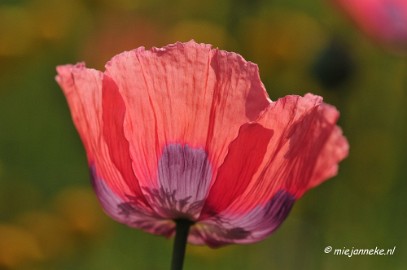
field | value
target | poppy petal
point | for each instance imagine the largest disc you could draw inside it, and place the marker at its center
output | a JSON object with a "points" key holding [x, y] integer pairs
{"points": [[307, 140], [83, 90], [304, 151], [113, 112], [81, 87], [128, 211], [184, 94], [253, 226], [244, 157]]}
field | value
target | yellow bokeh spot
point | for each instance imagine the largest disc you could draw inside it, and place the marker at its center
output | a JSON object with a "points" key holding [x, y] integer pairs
{"points": [[81, 212], [54, 19], [283, 38], [17, 31], [17, 247], [49, 230]]}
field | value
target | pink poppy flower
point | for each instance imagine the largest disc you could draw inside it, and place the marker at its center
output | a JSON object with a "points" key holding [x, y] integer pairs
{"points": [[187, 132], [383, 20]]}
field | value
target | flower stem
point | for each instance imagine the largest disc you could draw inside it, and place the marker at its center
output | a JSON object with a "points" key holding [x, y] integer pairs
{"points": [[180, 242]]}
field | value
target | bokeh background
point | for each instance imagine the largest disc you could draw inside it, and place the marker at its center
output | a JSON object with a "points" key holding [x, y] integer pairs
{"points": [[49, 216]]}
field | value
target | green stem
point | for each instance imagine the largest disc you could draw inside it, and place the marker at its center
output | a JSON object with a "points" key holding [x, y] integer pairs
{"points": [[180, 242]]}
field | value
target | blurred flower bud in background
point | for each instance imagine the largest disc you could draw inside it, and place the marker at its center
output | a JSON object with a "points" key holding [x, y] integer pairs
{"points": [[334, 65]]}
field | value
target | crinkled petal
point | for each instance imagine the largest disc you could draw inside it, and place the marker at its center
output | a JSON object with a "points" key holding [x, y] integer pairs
{"points": [[83, 90], [245, 155], [128, 210], [183, 94], [299, 146], [304, 151], [253, 226], [113, 112]]}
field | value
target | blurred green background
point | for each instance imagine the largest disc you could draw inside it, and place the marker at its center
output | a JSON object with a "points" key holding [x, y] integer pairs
{"points": [[49, 216]]}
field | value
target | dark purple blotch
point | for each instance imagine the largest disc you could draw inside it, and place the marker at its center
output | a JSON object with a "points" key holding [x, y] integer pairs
{"points": [[184, 176]]}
